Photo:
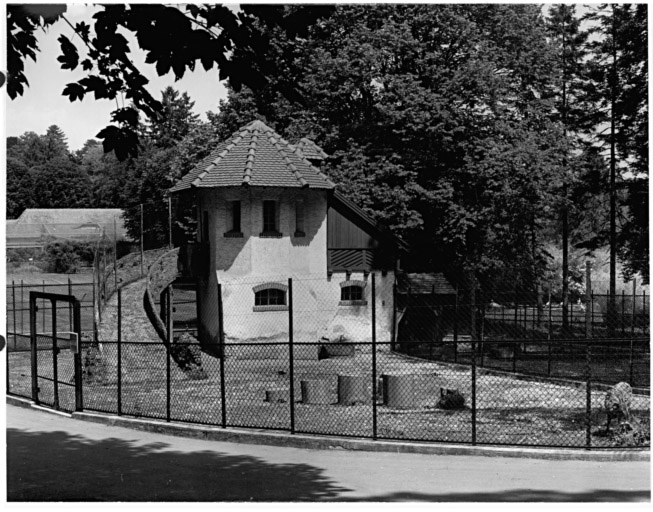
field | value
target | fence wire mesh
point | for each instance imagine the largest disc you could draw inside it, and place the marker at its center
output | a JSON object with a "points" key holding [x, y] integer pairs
{"points": [[352, 355]]}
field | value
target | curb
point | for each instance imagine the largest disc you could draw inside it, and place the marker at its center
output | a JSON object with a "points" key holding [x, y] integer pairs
{"points": [[319, 442]]}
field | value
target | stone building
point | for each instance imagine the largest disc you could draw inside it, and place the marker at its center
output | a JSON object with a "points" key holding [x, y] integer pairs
{"points": [[267, 213]]}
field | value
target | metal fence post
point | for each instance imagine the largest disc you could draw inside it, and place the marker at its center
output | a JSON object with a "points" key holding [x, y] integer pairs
{"points": [[169, 337], [55, 353], [70, 307], [473, 303], [33, 341], [142, 257], [291, 372], [22, 306], [394, 316], [95, 334], [548, 370], [455, 328], [374, 383], [43, 306], [632, 315], [623, 312], [473, 392], [169, 222], [119, 352], [643, 302], [77, 327], [588, 396], [223, 354], [589, 311], [115, 255], [13, 304]]}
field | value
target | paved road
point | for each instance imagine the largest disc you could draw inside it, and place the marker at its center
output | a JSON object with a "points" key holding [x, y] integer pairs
{"points": [[50, 457]]}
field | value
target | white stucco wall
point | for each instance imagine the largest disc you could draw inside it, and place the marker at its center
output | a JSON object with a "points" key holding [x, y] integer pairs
{"points": [[240, 264]]}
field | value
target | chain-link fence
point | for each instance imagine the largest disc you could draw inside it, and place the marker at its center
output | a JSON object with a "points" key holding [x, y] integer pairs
{"points": [[315, 356]]}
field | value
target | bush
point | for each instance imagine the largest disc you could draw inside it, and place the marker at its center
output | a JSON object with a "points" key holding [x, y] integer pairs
{"points": [[66, 256], [25, 254], [62, 257]]}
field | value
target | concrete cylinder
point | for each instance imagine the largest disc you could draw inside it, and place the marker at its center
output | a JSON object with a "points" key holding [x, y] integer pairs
{"points": [[315, 391], [354, 390], [400, 391]]}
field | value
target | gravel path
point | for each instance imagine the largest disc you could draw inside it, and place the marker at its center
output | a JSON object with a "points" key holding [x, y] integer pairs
{"points": [[135, 325]]}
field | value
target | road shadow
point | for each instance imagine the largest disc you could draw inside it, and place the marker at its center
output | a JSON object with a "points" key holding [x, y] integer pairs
{"points": [[57, 466], [514, 496]]}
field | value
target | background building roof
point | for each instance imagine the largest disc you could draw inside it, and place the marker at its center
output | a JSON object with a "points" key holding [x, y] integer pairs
{"points": [[36, 224], [424, 284]]}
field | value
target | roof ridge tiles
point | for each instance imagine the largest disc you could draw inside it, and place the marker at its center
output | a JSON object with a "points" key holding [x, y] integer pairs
{"points": [[293, 169], [251, 157]]}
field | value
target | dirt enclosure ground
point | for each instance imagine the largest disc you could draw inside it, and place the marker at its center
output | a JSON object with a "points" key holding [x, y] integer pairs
{"points": [[509, 410]]}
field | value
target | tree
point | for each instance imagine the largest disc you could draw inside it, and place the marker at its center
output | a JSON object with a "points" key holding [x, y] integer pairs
{"points": [[19, 188], [149, 176], [437, 119], [106, 175], [175, 38], [59, 183], [564, 27], [619, 91]]}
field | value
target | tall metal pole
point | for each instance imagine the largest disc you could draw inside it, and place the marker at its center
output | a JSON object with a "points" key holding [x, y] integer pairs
{"points": [[70, 306], [169, 347], [55, 350], [119, 352], [223, 352], [77, 359], [473, 301], [33, 341], [43, 306], [548, 371], [589, 309], [115, 255], [455, 328], [142, 257], [632, 316], [22, 306], [13, 303], [374, 383], [291, 370], [169, 222]]}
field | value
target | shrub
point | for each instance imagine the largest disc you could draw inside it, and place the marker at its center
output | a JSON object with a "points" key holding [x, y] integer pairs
{"points": [[62, 257]]}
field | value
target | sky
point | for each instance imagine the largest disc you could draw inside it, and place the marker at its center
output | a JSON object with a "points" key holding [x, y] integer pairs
{"points": [[43, 105]]}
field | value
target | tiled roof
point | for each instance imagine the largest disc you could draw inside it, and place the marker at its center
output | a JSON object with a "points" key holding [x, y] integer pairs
{"points": [[254, 156], [424, 283], [311, 150]]}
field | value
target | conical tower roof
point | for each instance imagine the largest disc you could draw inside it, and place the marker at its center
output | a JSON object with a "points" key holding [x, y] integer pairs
{"points": [[254, 156]]}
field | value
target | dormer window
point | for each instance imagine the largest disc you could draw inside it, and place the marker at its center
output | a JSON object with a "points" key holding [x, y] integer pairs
{"points": [[270, 220], [352, 293], [270, 297], [234, 219]]}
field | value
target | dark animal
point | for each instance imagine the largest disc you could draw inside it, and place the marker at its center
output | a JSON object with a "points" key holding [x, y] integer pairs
{"points": [[451, 399], [617, 403]]}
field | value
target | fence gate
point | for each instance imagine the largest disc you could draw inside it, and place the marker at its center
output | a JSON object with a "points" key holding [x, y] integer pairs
{"points": [[55, 353]]}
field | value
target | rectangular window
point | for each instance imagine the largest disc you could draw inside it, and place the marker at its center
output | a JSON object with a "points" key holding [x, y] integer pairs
{"points": [[205, 227], [269, 217], [299, 219], [235, 216]]}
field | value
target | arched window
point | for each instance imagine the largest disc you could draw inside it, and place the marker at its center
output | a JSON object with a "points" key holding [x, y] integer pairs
{"points": [[270, 297], [352, 293]]}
